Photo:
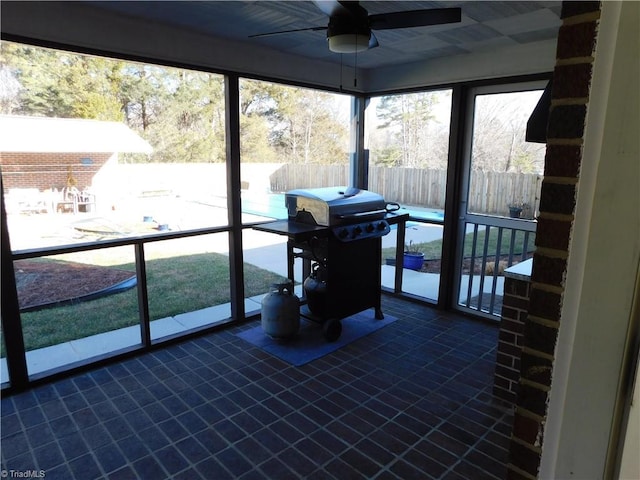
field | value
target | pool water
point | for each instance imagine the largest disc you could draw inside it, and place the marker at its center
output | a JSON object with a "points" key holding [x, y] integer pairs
{"points": [[272, 205]]}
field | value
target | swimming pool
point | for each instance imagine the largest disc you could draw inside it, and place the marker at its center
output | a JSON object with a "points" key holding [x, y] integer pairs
{"points": [[272, 205], [428, 215]]}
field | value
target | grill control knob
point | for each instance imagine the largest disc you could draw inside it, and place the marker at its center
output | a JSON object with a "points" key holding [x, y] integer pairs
{"points": [[357, 231], [344, 233], [382, 226], [370, 228]]}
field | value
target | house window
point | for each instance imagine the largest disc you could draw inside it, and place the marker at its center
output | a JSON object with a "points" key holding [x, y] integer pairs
{"points": [[506, 170], [407, 136], [500, 193], [108, 148], [106, 165]]}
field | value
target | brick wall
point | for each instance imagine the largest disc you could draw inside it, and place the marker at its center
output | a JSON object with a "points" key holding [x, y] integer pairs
{"points": [[49, 170], [515, 304], [570, 98]]}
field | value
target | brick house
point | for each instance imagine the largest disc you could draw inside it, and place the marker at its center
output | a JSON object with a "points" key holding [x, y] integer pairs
{"points": [[41, 157]]}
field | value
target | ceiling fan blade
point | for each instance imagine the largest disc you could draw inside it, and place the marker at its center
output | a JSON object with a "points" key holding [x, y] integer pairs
{"points": [[415, 18], [309, 29], [331, 7]]}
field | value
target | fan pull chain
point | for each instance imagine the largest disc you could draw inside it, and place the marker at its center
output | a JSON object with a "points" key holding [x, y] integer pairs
{"points": [[355, 69]]}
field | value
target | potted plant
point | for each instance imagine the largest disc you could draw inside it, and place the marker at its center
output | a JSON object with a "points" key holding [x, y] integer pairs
{"points": [[515, 209], [413, 257]]}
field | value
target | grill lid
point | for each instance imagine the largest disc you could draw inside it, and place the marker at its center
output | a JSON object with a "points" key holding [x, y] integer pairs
{"points": [[330, 206]]}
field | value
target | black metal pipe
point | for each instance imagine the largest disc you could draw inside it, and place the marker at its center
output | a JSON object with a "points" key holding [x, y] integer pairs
{"points": [[234, 202], [143, 295], [10, 308]]}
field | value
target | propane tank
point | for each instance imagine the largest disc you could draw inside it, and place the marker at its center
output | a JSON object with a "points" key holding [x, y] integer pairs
{"points": [[315, 289], [281, 311]]}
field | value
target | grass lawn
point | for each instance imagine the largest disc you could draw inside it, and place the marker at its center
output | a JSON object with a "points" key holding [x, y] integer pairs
{"points": [[433, 250], [185, 283], [492, 242], [176, 285]]}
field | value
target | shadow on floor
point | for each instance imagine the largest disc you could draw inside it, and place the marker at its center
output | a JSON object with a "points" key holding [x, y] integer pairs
{"points": [[411, 400]]}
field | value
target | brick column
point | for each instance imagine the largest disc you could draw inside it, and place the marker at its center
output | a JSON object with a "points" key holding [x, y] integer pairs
{"points": [[515, 304], [570, 98]]}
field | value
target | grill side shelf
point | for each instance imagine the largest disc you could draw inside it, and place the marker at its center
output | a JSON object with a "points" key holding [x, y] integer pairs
{"points": [[298, 232]]}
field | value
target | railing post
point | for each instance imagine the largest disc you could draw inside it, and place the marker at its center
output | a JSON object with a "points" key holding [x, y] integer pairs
{"points": [[10, 310], [143, 295], [234, 202], [400, 239]]}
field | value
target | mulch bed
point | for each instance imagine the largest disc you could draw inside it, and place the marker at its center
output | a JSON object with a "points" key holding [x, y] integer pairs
{"points": [[42, 283]]}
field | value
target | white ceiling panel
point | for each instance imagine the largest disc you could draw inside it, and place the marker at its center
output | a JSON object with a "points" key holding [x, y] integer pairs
{"points": [[196, 32]]}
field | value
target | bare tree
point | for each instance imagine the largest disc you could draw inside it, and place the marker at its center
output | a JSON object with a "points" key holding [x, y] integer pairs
{"points": [[499, 130]]}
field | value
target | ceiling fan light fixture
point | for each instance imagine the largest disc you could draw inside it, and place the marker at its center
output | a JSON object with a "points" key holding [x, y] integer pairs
{"points": [[349, 42]]}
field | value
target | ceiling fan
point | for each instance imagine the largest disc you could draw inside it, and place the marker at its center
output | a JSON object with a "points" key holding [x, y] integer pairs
{"points": [[350, 25]]}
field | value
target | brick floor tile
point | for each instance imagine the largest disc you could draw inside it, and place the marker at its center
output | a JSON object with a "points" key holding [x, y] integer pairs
{"points": [[410, 401]]}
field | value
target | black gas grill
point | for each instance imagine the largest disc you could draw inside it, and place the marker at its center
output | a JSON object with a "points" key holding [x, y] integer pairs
{"points": [[337, 232]]}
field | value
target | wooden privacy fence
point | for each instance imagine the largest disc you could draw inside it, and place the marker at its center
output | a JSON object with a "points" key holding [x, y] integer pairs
{"points": [[410, 186], [289, 177], [489, 192], [493, 192]]}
